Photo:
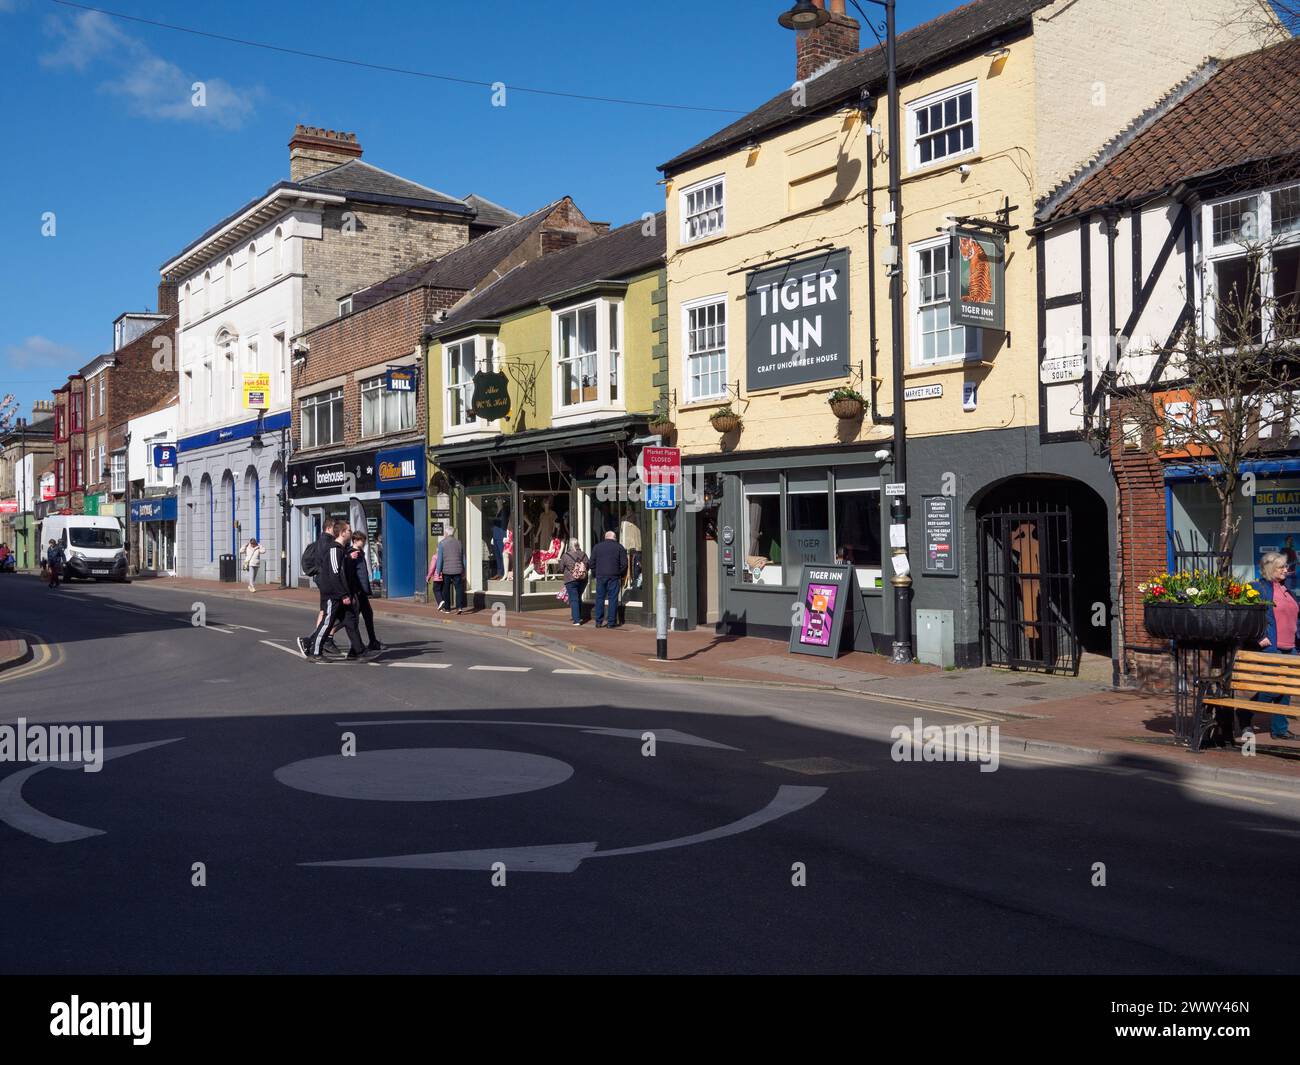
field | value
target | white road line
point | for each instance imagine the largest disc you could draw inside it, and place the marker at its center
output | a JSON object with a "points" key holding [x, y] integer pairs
{"points": [[287, 650], [504, 669], [575, 672], [414, 665], [214, 628], [248, 628]]}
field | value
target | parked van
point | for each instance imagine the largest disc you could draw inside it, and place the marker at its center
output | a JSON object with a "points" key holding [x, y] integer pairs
{"points": [[92, 545]]}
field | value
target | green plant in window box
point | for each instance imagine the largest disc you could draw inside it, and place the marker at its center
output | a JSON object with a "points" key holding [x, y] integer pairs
{"points": [[847, 403], [724, 419]]}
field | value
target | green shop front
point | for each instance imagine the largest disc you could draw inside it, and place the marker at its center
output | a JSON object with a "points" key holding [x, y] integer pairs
{"points": [[516, 499]]}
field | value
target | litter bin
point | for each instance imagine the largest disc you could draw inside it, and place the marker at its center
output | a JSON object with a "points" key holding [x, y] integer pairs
{"points": [[228, 569]]}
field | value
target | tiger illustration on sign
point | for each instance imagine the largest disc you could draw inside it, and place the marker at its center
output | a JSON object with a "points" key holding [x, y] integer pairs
{"points": [[979, 287]]}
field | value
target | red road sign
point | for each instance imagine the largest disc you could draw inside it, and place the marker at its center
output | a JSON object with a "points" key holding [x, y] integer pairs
{"points": [[662, 465]]}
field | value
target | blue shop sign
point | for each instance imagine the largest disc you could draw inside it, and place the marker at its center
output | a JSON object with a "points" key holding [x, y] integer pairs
{"points": [[401, 379], [161, 509], [244, 430], [402, 467], [164, 456]]}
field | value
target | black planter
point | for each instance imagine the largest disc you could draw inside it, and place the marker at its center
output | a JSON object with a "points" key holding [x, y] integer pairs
{"points": [[1217, 623]]}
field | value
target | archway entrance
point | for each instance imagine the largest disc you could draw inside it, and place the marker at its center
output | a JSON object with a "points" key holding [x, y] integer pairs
{"points": [[1044, 573]]}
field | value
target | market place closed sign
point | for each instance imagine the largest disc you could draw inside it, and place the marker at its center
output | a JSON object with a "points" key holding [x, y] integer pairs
{"points": [[797, 316]]}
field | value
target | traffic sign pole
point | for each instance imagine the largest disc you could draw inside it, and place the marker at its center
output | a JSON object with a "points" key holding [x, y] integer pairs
{"points": [[662, 470]]}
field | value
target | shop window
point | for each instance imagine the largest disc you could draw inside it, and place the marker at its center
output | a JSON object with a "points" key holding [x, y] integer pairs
{"points": [[703, 209], [321, 419], [762, 518], [808, 538], [383, 411], [706, 348], [942, 125], [857, 525], [543, 530], [622, 518], [1195, 525], [935, 339], [489, 545]]}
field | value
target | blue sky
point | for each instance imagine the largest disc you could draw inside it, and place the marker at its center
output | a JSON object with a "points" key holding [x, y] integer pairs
{"points": [[101, 132]]}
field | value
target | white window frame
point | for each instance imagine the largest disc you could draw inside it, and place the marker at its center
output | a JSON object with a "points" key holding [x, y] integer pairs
{"points": [[485, 357], [1212, 254], [566, 413], [409, 399], [252, 266], [683, 200], [914, 110], [318, 399], [688, 376], [973, 338], [345, 305], [117, 462]]}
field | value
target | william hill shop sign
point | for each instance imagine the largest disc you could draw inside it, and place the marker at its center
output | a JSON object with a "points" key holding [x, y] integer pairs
{"points": [[797, 317]]}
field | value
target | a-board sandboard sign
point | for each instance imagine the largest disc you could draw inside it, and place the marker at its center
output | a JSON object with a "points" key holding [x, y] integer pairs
{"points": [[827, 594]]}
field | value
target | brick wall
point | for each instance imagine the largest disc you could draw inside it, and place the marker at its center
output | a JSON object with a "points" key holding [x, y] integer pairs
{"points": [[836, 40], [1142, 550], [377, 243]]}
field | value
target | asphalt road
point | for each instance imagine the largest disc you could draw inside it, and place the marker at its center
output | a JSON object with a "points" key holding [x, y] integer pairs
{"points": [[474, 748]]}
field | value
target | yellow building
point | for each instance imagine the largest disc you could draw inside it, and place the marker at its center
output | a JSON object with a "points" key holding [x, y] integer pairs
{"points": [[538, 385], [778, 231]]}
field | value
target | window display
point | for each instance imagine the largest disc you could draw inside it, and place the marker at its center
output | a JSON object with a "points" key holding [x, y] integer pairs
{"points": [[489, 544], [623, 519], [543, 530]]}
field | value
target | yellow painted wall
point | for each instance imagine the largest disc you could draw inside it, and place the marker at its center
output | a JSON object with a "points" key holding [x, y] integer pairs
{"points": [[805, 187]]}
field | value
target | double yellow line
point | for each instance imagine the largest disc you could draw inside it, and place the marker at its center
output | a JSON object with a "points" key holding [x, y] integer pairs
{"points": [[44, 657]]}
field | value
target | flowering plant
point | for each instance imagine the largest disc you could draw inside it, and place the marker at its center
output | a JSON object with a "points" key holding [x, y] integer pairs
{"points": [[1198, 588]]}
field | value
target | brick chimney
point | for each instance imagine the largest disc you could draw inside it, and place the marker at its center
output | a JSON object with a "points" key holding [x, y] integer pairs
{"points": [[313, 150], [167, 298], [819, 49]]}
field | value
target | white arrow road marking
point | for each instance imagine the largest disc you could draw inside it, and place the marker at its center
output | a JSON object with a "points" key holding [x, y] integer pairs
{"points": [[566, 857], [504, 669], [664, 735], [16, 813]]}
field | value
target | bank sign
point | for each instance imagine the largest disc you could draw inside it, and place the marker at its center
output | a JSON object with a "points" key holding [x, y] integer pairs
{"points": [[797, 320]]}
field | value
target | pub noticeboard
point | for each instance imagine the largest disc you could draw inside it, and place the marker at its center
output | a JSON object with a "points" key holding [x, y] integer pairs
{"points": [[939, 515], [827, 594]]}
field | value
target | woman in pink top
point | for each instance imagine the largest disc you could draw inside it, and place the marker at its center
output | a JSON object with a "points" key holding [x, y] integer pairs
{"points": [[1280, 637]]}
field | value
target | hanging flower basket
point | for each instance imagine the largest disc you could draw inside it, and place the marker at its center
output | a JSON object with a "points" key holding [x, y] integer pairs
{"points": [[725, 420], [847, 409], [1209, 623], [662, 426]]}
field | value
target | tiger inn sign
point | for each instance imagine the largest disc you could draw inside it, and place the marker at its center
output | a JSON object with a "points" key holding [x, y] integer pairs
{"points": [[977, 279]]}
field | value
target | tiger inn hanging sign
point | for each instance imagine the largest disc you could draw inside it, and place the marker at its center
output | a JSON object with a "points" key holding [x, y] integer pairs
{"points": [[977, 279]]}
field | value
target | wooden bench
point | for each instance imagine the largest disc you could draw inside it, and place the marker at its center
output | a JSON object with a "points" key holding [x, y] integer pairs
{"points": [[1251, 672]]}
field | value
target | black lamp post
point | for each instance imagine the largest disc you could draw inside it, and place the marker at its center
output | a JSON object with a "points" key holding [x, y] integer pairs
{"points": [[805, 16]]}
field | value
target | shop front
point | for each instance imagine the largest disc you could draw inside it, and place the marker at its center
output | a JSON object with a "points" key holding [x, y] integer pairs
{"points": [[153, 546], [752, 522], [329, 487], [517, 500], [400, 546]]}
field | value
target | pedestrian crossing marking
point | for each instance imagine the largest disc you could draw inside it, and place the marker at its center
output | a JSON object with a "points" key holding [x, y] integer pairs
{"points": [[503, 669]]}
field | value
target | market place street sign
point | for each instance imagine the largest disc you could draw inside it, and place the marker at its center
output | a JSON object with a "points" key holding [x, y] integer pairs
{"points": [[491, 396], [977, 282], [797, 315]]}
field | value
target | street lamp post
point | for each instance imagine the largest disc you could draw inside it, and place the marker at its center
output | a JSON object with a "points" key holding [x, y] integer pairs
{"points": [[806, 16]]}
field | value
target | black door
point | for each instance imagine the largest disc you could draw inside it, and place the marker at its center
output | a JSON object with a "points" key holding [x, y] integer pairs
{"points": [[1027, 590]]}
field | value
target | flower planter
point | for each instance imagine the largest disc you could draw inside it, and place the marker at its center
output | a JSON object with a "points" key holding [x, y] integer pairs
{"points": [[1212, 623], [847, 409], [725, 423], [662, 428]]}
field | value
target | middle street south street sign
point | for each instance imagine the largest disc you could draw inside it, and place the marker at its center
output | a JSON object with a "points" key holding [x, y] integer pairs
{"points": [[798, 319]]}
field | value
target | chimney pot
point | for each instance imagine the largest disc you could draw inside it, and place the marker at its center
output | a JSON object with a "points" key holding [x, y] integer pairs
{"points": [[819, 49], [313, 150]]}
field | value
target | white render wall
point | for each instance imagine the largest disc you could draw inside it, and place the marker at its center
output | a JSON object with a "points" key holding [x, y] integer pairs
{"points": [[157, 427]]}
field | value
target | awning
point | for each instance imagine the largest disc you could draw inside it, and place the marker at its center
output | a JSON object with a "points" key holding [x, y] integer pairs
{"points": [[516, 445]]}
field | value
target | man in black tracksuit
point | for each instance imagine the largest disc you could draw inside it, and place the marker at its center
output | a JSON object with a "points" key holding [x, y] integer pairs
{"points": [[338, 601], [359, 571], [323, 544]]}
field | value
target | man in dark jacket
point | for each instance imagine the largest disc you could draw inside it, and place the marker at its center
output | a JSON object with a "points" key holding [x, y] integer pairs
{"points": [[337, 597], [54, 562], [608, 564], [323, 543], [359, 569]]}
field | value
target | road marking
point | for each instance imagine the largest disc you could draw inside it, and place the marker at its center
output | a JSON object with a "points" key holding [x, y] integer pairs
{"points": [[44, 657], [503, 669], [217, 628], [575, 672], [247, 628], [566, 857], [287, 650], [663, 735], [414, 665]]}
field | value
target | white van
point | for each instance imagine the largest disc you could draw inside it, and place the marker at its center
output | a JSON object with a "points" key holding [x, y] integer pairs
{"points": [[92, 545]]}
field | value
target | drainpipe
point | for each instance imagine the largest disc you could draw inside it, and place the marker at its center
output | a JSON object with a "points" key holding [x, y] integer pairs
{"points": [[867, 108]]}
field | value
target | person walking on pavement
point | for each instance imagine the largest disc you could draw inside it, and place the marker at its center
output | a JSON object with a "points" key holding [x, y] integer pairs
{"points": [[364, 591], [252, 561], [434, 577], [1279, 639], [317, 554], [452, 553], [338, 599], [54, 562], [608, 563], [576, 567]]}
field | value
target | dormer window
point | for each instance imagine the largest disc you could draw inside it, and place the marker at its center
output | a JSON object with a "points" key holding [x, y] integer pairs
{"points": [[345, 306]]}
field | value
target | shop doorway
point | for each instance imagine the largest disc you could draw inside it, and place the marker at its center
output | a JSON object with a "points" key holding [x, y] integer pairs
{"points": [[1044, 575], [399, 548], [708, 578]]}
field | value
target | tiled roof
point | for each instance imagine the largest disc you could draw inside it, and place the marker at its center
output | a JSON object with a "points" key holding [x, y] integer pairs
{"points": [[1246, 113], [620, 253], [918, 48], [489, 213], [359, 177], [464, 268]]}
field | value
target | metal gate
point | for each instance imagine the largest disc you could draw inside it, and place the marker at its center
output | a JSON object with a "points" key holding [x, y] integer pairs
{"points": [[1026, 561]]}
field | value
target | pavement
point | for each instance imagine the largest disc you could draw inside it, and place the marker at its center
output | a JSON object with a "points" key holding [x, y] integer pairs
{"points": [[1039, 712], [480, 800]]}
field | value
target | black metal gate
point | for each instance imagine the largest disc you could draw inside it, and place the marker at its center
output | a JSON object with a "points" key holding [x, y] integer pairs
{"points": [[1027, 590]]}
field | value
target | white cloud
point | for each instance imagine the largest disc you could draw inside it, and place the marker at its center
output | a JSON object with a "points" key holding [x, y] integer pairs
{"points": [[41, 353], [151, 86]]}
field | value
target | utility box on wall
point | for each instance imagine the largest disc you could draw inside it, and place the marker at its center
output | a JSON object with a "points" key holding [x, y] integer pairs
{"points": [[934, 641]]}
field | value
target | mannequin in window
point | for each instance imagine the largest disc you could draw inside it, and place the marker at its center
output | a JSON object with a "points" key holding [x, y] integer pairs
{"points": [[546, 525], [629, 535]]}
